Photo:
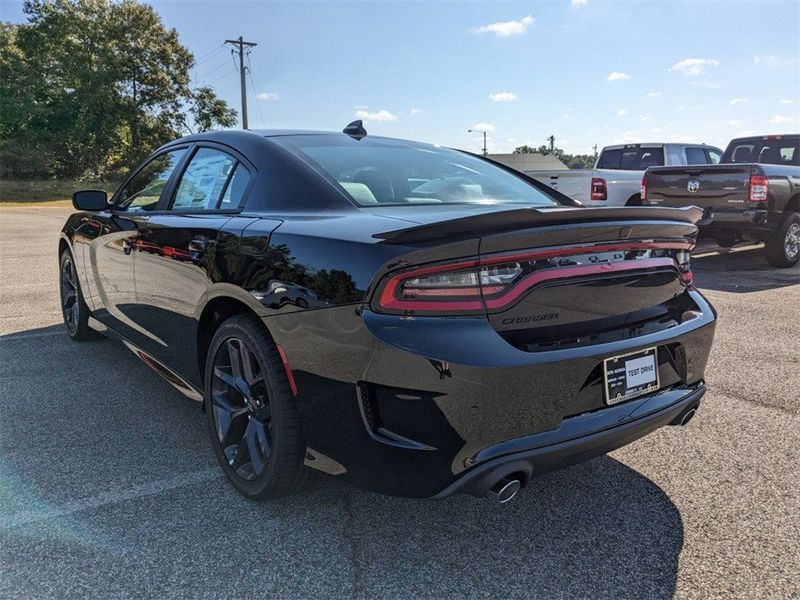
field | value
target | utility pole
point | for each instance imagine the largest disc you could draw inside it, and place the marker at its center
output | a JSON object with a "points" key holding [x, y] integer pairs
{"points": [[485, 152], [595, 151], [552, 140], [239, 47]]}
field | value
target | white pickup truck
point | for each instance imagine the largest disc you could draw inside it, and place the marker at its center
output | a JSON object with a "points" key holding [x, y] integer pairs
{"points": [[617, 175]]}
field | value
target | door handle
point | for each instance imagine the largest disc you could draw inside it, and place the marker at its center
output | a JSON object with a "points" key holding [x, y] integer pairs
{"points": [[197, 246]]}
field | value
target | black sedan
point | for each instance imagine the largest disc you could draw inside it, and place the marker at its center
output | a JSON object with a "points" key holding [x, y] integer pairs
{"points": [[413, 319]]}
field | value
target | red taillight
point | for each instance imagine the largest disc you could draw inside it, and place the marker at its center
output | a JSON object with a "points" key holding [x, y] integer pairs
{"points": [[643, 190], [599, 189], [494, 282], [759, 188]]}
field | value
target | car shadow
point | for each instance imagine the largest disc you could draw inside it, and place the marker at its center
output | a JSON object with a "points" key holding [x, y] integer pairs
{"points": [[740, 269], [112, 486]]}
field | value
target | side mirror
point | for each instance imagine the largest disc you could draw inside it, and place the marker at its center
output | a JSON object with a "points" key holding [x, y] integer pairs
{"points": [[90, 200]]}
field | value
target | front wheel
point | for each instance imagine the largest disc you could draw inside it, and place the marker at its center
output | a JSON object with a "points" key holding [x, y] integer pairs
{"points": [[783, 246], [73, 308], [251, 412]]}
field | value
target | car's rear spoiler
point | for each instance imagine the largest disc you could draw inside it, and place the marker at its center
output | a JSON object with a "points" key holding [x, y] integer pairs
{"points": [[523, 218]]}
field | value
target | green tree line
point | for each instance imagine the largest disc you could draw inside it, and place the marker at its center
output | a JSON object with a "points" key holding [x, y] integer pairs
{"points": [[573, 161], [88, 88]]}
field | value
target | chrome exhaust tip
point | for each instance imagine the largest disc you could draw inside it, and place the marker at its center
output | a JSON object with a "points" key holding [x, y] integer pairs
{"points": [[504, 490], [687, 416]]}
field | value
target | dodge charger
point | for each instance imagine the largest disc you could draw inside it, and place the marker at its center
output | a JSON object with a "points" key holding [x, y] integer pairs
{"points": [[416, 320]]}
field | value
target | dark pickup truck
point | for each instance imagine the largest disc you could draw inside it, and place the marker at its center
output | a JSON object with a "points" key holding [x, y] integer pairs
{"points": [[752, 195]]}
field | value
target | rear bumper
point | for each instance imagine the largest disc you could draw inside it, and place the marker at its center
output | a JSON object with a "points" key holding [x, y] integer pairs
{"points": [[578, 439], [411, 406], [750, 223]]}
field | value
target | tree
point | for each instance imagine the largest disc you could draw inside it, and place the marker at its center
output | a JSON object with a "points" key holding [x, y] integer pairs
{"points": [[573, 161], [94, 86]]}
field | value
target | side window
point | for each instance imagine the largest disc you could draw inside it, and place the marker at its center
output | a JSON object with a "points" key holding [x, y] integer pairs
{"points": [[232, 197], [143, 191], [204, 181], [609, 159], [714, 156], [695, 156]]}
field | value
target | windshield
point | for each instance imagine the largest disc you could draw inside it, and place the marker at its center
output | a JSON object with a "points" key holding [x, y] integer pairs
{"points": [[379, 172]]}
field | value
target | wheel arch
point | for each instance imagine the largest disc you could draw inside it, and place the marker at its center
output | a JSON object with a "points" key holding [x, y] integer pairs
{"points": [[217, 310], [793, 205]]}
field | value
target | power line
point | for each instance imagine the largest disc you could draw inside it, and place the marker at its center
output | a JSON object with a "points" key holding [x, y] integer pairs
{"points": [[253, 85], [239, 46]]}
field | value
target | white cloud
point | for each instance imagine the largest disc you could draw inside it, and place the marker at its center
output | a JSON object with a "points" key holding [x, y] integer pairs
{"points": [[578, 3], [693, 66], [737, 101], [773, 60], [654, 94], [503, 97], [629, 137], [622, 112], [362, 107], [483, 127], [734, 123], [786, 101], [415, 111], [506, 28], [783, 120], [644, 118], [381, 116], [268, 96], [617, 76]]}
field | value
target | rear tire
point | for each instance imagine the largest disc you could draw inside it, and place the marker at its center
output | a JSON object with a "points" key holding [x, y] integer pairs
{"points": [[251, 412], [783, 246], [73, 308]]}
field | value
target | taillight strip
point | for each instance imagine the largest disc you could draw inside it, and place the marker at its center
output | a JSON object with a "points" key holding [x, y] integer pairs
{"points": [[538, 277], [389, 301]]}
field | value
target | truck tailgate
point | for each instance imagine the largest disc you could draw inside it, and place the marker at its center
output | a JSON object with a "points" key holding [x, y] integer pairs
{"points": [[707, 186]]}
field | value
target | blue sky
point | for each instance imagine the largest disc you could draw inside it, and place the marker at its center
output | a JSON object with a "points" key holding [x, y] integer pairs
{"points": [[587, 71]]}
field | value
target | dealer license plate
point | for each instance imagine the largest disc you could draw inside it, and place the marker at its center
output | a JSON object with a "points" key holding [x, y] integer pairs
{"points": [[631, 375]]}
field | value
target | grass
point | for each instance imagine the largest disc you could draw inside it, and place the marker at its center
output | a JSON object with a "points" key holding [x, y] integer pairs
{"points": [[49, 192]]}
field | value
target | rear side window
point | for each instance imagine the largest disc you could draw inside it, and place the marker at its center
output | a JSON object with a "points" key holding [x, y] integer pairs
{"points": [[696, 156], [211, 180], [631, 159], [714, 156]]}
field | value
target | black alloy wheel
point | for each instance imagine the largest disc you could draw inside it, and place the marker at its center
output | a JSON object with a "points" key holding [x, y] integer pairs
{"points": [[241, 408], [73, 308], [251, 412]]}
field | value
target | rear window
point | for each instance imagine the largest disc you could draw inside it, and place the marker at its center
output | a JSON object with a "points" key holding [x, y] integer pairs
{"points": [[775, 151], [377, 172], [633, 158]]}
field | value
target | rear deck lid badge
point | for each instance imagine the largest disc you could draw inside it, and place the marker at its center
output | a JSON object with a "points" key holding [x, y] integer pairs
{"points": [[693, 185]]}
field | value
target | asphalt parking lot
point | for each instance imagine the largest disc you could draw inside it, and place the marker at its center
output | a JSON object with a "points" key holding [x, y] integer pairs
{"points": [[109, 486]]}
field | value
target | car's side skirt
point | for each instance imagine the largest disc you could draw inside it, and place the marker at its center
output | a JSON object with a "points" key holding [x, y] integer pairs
{"points": [[175, 380]]}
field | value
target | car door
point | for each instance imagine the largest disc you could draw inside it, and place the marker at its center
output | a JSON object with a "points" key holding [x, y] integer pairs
{"points": [[109, 240], [181, 251]]}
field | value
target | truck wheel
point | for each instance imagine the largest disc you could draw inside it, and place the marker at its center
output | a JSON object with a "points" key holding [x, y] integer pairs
{"points": [[783, 247]]}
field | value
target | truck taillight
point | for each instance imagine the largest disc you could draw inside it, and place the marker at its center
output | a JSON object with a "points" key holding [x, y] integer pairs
{"points": [[599, 189], [643, 192], [759, 186]]}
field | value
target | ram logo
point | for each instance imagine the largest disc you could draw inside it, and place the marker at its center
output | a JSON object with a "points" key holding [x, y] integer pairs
{"points": [[693, 185]]}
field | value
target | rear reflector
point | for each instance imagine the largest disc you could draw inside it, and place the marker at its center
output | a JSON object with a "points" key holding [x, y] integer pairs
{"points": [[759, 188], [599, 191], [287, 369]]}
